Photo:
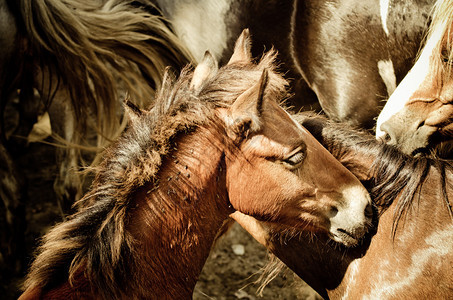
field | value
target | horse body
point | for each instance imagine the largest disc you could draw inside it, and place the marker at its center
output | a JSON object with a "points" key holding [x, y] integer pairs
{"points": [[408, 254], [168, 184], [417, 263], [417, 117], [350, 53]]}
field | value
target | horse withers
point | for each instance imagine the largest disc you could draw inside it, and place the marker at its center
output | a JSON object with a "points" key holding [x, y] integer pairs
{"points": [[417, 117], [215, 142]]}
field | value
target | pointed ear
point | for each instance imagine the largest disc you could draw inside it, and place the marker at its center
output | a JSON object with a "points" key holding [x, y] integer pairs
{"points": [[242, 49], [206, 69], [132, 111], [244, 115]]}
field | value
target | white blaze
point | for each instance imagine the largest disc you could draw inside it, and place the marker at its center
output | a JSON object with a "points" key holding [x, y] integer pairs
{"points": [[409, 85]]}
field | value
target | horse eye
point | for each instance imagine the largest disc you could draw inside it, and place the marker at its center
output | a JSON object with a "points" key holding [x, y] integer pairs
{"points": [[295, 159], [445, 56]]}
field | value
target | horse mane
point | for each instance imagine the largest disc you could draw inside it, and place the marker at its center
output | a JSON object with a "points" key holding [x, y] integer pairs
{"points": [[81, 43], [395, 174], [94, 240], [441, 32]]}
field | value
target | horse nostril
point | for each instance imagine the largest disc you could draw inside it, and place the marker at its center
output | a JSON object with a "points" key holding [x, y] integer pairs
{"points": [[333, 211], [422, 123], [387, 137], [369, 211], [349, 234]]}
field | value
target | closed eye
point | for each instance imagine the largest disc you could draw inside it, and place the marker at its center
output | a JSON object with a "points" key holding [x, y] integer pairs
{"points": [[295, 159]]}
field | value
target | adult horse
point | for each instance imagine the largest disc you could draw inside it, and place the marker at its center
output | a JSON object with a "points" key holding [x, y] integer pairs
{"points": [[417, 118], [409, 252], [350, 53], [166, 187]]}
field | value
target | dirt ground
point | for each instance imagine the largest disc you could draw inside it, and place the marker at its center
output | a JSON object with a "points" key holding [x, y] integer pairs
{"points": [[230, 272]]}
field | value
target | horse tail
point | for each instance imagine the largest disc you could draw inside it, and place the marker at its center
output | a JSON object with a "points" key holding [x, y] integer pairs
{"points": [[98, 50]]}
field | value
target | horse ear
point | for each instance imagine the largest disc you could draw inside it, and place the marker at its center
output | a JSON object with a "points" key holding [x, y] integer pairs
{"points": [[206, 69], [242, 48], [132, 111], [245, 114]]}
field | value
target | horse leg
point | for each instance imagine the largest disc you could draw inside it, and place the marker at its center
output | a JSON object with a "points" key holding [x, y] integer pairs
{"points": [[68, 184], [12, 217]]}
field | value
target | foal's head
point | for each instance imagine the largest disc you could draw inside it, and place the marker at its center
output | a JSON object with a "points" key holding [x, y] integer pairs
{"points": [[274, 169], [277, 172]]}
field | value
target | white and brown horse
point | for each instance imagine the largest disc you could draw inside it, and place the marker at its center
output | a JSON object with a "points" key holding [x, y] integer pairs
{"points": [[344, 56], [418, 116], [409, 252], [215, 142]]}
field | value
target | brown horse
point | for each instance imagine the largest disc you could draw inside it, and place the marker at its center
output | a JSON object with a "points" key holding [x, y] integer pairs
{"points": [[409, 252], [215, 142], [418, 116]]}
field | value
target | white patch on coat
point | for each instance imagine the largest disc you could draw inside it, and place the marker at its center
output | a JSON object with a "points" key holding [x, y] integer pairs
{"points": [[387, 73], [200, 25], [353, 270], [384, 5], [438, 244], [409, 84]]}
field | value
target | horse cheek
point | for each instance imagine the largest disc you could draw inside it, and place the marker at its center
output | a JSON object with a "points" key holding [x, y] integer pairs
{"points": [[440, 116], [254, 193]]}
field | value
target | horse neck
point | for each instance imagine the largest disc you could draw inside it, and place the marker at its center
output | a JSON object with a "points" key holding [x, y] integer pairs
{"points": [[420, 244], [176, 222], [315, 259]]}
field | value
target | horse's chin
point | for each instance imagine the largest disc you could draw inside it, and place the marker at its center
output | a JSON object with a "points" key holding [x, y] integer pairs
{"points": [[344, 237]]}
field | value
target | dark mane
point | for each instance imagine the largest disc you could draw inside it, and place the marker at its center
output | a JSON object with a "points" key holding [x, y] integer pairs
{"points": [[403, 176], [395, 174], [94, 240]]}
